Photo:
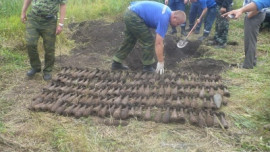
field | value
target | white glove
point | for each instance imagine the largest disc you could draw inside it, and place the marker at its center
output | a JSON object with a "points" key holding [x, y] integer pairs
{"points": [[160, 68]]}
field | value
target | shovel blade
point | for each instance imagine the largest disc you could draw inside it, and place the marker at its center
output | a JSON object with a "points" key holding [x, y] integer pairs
{"points": [[182, 43]]}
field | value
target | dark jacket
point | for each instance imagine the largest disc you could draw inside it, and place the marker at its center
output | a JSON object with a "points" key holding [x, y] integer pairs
{"points": [[224, 3]]}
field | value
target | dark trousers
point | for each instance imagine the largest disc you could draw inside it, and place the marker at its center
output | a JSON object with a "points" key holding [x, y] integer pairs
{"points": [[252, 26], [195, 12], [209, 20]]}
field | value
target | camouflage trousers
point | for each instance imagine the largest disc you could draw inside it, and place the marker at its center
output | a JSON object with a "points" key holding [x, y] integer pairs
{"points": [[41, 27], [136, 30], [222, 28]]}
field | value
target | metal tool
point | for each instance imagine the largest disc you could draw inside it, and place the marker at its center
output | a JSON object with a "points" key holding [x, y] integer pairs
{"points": [[232, 16], [183, 43]]}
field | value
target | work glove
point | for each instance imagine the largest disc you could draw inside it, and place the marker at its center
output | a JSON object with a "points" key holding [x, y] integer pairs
{"points": [[160, 68]]}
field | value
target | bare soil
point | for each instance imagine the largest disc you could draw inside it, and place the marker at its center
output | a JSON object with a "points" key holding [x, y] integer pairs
{"points": [[99, 39]]}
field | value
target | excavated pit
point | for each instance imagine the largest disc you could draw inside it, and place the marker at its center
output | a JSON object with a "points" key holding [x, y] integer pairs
{"points": [[100, 38]]}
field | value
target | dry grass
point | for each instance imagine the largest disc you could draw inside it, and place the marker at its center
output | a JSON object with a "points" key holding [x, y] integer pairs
{"points": [[41, 131]]}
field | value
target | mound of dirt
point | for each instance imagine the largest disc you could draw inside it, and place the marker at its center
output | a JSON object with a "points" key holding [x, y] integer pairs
{"points": [[205, 66], [101, 39], [95, 39], [173, 54]]}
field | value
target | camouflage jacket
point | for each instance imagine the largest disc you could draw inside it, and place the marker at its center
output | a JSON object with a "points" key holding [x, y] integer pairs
{"points": [[46, 7]]}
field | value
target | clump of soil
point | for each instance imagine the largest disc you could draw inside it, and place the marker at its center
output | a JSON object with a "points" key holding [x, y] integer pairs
{"points": [[205, 66], [97, 38], [173, 54], [101, 39]]}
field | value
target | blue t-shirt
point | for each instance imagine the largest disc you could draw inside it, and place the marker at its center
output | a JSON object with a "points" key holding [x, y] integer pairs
{"points": [[262, 4], [154, 14], [207, 3]]}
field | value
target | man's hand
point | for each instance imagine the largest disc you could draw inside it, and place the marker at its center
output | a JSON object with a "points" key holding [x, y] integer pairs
{"points": [[198, 20], [23, 17], [185, 1], [26, 4], [236, 13], [222, 10], [58, 29], [160, 68]]}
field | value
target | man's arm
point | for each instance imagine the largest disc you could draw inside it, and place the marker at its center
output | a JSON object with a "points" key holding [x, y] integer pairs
{"points": [[251, 7], [202, 15], [159, 48], [26, 4], [61, 20]]}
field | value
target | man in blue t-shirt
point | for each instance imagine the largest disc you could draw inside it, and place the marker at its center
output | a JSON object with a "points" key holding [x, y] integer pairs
{"points": [[139, 18], [177, 5], [209, 9]]}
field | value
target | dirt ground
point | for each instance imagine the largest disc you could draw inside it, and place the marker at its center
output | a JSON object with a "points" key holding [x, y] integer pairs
{"points": [[98, 41]]}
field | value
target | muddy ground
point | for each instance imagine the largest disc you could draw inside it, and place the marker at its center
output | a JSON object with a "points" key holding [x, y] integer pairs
{"points": [[99, 39]]}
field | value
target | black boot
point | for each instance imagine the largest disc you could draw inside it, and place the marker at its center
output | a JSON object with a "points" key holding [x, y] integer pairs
{"points": [[32, 72], [148, 68], [205, 35], [173, 30], [118, 66], [197, 31], [47, 76], [183, 31], [189, 29]]}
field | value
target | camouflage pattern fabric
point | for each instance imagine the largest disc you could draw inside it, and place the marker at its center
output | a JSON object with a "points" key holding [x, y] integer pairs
{"points": [[136, 30], [46, 7], [222, 28], [41, 27]]}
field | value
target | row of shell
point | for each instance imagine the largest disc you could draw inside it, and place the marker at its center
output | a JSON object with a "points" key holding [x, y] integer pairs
{"points": [[86, 73], [177, 102], [201, 118], [65, 78], [147, 96], [142, 90]]}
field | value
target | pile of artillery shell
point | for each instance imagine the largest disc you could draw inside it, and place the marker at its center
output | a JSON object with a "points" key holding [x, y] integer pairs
{"points": [[172, 97]]}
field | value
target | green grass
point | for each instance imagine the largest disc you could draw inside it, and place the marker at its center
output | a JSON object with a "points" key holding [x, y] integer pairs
{"points": [[79, 10], [12, 60], [10, 7], [60, 140], [2, 127]]}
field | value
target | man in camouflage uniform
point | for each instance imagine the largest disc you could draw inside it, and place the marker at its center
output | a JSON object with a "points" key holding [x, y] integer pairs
{"points": [[42, 21], [139, 18], [222, 24]]}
